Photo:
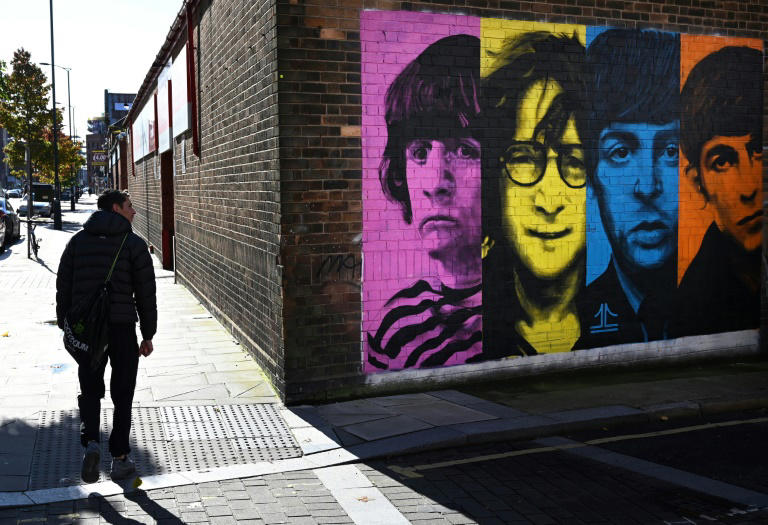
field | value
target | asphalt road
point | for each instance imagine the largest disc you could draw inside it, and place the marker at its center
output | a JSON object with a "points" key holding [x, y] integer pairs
{"points": [[554, 482]]}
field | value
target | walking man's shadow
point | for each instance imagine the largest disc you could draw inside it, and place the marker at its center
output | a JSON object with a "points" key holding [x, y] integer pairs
{"points": [[153, 510]]}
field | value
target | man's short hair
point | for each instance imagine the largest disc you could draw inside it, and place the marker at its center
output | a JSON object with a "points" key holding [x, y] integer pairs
{"points": [[436, 95], [722, 97], [634, 76], [110, 197]]}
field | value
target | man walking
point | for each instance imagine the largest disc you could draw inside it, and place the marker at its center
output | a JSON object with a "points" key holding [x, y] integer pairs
{"points": [[83, 268]]}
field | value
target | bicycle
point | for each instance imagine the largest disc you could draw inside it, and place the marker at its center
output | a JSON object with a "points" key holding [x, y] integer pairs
{"points": [[33, 240]]}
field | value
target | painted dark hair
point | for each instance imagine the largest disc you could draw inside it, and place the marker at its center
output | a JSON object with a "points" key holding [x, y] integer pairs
{"points": [[722, 96], [436, 95], [523, 61], [634, 76]]}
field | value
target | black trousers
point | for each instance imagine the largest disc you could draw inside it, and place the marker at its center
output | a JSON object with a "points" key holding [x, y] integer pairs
{"points": [[123, 356]]}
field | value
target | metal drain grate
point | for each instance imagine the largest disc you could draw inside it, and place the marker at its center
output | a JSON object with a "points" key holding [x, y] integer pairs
{"points": [[165, 439]]}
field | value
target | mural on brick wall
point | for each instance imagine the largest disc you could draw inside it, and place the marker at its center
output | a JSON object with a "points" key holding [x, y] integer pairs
{"points": [[534, 188]]}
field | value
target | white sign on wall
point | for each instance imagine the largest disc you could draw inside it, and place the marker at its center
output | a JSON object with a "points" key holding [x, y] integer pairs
{"points": [[180, 106], [164, 110]]}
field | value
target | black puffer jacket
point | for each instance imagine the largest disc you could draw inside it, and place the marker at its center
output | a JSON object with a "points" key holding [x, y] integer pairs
{"points": [[85, 264]]}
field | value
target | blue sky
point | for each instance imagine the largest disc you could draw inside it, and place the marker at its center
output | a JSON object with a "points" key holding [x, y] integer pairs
{"points": [[108, 44]]}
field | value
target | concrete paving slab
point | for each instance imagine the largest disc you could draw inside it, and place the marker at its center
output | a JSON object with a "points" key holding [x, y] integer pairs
{"points": [[506, 428], [436, 437], [333, 457], [403, 399], [253, 375], [167, 363], [602, 412], [500, 411], [439, 413], [292, 419], [13, 483], [104, 488], [312, 440], [177, 370], [23, 401], [198, 378], [454, 396], [351, 412], [15, 464], [384, 428], [343, 477], [364, 503], [225, 364], [14, 499], [187, 393]]}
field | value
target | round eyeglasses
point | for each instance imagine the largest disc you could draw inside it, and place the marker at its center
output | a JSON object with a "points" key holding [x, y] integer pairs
{"points": [[526, 162]]}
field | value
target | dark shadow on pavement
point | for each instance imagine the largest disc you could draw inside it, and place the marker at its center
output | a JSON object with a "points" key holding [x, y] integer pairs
{"points": [[99, 503], [48, 454], [160, 514]]}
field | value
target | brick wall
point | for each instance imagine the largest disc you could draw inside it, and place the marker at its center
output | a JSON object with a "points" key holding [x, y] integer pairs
{"points": [[269, 225], [144, 188], [227, 201], [321, 156], [319, 62]]}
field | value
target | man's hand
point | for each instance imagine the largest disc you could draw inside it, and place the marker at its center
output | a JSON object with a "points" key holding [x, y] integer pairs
{"points": [[145, 348]]}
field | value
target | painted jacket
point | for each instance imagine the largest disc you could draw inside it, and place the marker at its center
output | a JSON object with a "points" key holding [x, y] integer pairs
{"points": [[720, 291], [607, 318]]}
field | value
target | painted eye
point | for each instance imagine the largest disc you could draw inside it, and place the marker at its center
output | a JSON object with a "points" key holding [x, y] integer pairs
{"points": [[671, 152], [419, 151], [724, 161], [574, 162], [619, 153], [523, 154], [467, 152]]}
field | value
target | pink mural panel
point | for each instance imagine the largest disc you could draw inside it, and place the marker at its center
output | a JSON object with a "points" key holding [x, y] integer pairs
{"points": [[421, 190]]}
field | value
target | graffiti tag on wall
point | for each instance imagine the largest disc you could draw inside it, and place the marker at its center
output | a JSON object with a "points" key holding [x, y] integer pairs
{"points": [[536, 188]]}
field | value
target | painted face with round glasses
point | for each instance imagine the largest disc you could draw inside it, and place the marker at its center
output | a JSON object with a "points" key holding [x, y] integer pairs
{"points": [[544, 192]]}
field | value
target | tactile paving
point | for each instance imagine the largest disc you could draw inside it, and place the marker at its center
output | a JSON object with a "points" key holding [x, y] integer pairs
{"points": [[164, 440]]}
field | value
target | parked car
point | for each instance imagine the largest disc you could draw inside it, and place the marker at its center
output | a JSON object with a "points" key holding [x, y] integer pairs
{"points": [[10, 220], [66, 195], [13, 194], [42, 199]]}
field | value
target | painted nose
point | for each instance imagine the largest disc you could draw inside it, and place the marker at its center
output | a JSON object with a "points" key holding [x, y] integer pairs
{"points": [[441, 183], [750, 184], [548, 199], [648, 185]]}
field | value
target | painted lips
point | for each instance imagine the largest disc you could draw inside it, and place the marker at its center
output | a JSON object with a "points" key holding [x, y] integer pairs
{"points": [[434, 223], [745, 220], [650, 233], [548, 236]]}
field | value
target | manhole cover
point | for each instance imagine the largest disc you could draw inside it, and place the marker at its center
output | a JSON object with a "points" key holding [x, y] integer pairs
{"points": [[164, 440]]}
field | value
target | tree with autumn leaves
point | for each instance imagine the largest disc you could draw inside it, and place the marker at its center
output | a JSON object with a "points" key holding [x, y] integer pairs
{"points": [[25, 114]]}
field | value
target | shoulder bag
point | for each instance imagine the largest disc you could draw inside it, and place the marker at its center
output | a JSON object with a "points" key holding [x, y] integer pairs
{"points": [[86, 325]]}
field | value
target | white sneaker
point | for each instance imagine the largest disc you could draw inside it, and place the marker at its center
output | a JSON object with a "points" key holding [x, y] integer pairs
{"points": [[122, 468]]}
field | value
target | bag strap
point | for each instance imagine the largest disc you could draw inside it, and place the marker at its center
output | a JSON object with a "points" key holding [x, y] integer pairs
{"points": [[109, 275]]}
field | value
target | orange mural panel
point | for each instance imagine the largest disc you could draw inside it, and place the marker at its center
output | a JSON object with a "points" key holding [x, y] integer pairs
{"points": [[694, 214]]}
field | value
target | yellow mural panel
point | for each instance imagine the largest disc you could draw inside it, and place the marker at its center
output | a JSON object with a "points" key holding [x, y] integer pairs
{"points": [[541, 175], [495, 31]]}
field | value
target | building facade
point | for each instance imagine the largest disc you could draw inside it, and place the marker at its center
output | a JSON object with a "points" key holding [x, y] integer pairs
{"points": [[387, 196]]}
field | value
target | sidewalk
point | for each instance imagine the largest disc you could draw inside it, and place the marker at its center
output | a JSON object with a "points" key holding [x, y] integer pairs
{"points": [[203, 411]]}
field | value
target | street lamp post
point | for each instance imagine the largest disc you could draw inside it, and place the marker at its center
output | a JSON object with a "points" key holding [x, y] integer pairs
{"points": [[69, 114], [57, 185]]}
